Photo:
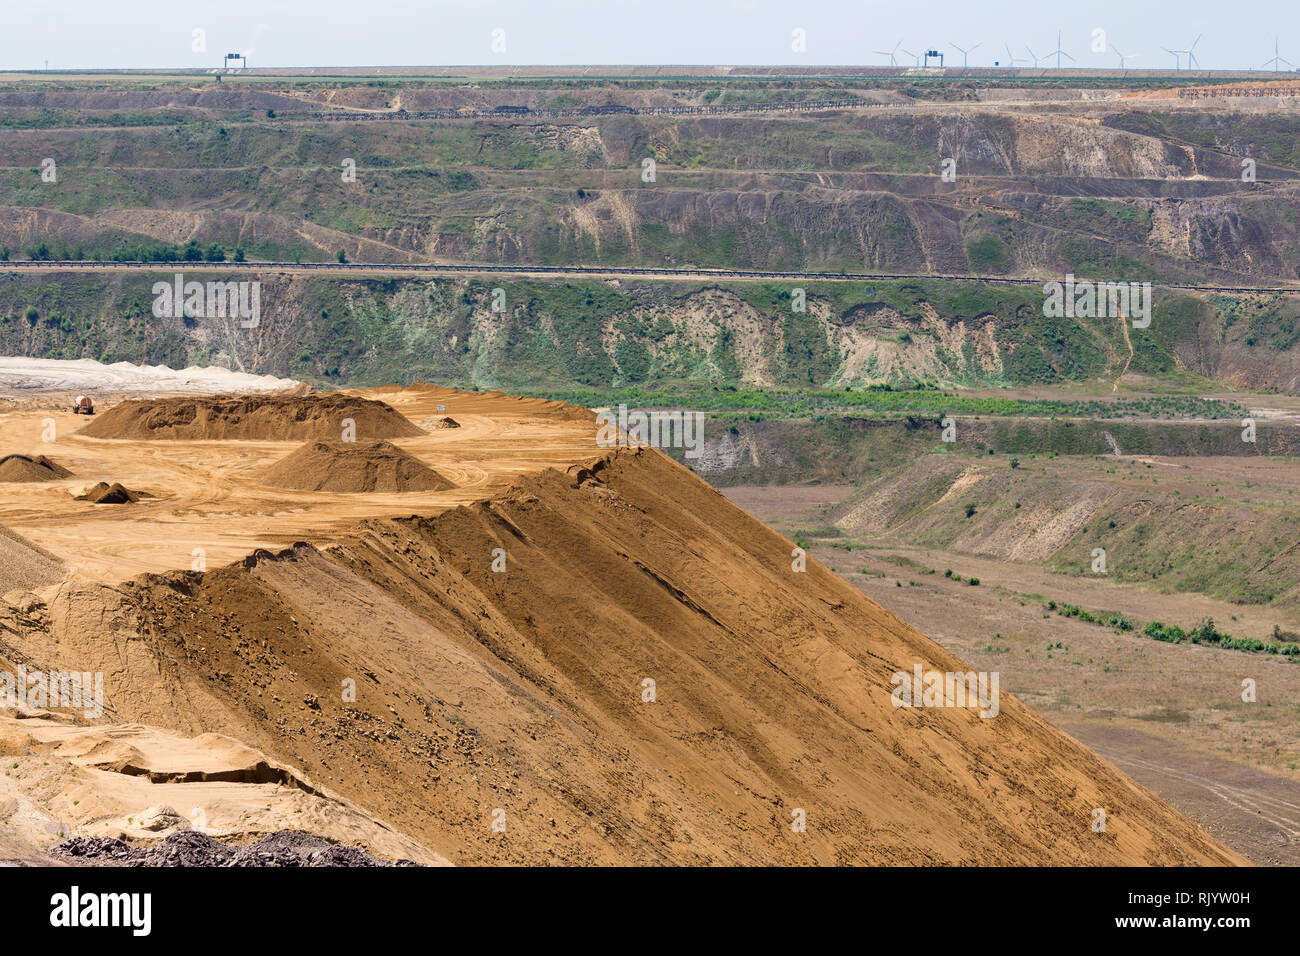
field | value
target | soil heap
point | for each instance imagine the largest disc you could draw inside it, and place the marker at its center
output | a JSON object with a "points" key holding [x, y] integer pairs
{"points": [[619, 664], [253, 417], [25, 468], [114, 494], [354, 467]]}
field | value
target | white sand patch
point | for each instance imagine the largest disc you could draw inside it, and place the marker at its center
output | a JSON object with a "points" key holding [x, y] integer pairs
{"points": [[32, 375]]}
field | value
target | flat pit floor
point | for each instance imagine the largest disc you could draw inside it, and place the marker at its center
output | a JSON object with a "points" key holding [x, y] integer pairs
{"points": [[210, 495]]}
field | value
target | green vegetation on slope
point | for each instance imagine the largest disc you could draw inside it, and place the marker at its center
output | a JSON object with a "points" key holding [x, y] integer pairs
{"points": [[646, 341]]}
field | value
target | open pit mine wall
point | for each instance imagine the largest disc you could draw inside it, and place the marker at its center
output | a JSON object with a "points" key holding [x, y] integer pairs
{"points": [[583, 334], [522, 697]]}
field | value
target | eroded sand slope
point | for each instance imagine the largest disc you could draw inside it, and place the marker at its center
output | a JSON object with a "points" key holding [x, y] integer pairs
{"points": [[523, 690]]}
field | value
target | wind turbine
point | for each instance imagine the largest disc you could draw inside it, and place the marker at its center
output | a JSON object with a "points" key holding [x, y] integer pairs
{"points": [[915, 56], [893, 61], [1191, 55], [1058, 52], [1122, 56], [965, 52], [1011, 57], [1276, 58], [1035, 57], [1178, 63]]}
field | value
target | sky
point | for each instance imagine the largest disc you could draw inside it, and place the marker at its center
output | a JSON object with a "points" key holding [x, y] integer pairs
{"points": [[87, 34]]}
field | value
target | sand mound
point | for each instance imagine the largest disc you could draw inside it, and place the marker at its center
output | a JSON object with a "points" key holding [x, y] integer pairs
{"points": [[24, 564], [523, 690], [354, 467], [23, 468], [503, 652], [114, 494], [441, 421], [264, 418]]}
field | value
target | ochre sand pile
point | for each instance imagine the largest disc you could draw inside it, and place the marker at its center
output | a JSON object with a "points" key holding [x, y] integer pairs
{"points": [[24, 468], [648, 680], [354, 467], [115, 494], [263, 417]]}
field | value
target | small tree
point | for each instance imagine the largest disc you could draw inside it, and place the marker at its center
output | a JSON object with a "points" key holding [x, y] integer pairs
{"points": [[343, 256]]}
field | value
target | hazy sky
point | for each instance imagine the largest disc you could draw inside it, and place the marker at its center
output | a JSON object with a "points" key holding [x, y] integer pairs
{"points": [[80, 34]]}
